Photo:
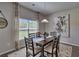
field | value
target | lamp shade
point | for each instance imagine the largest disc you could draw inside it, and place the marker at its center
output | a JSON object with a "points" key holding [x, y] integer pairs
{"points": [[44, 21]]}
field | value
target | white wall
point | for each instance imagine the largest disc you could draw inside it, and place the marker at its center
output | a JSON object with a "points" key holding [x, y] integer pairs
{"points": [[6, 41], [74, 25]]}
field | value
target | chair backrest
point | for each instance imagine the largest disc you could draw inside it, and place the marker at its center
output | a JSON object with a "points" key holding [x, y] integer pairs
{"points": [[53, 34], [29, 44], [58, 39], [45, 35], [55, 42], [32, 35], [38, 34], [56, 45]]}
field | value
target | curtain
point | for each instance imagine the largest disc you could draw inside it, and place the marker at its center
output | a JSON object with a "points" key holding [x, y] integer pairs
{"points": [[16, 7]]}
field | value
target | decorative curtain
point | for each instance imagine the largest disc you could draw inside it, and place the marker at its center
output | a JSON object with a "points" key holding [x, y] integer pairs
{"points": [[16, 25]]}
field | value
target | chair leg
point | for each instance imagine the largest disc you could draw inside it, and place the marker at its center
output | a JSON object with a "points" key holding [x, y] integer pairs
{"points": [[48, 54], [33, 55], [56, 53], [27, 54], [52, 55]]}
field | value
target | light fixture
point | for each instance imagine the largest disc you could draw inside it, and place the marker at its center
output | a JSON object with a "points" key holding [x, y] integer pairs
{"points": [[44, 21]]}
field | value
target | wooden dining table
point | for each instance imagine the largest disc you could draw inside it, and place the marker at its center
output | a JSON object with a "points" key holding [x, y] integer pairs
{"points": [[43, 42]]}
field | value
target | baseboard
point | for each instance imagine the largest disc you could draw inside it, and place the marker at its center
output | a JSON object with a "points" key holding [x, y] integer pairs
{"points": [[70, 44], [7, 51]]}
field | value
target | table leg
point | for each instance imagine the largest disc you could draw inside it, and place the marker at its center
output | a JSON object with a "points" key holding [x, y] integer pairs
{"points": [[42, 52]]}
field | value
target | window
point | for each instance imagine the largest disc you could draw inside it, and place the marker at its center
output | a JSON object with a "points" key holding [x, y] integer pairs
{"points": [[24, 25]]}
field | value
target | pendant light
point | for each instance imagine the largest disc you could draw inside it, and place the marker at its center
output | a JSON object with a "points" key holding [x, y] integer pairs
{"points": [[44, 20]]}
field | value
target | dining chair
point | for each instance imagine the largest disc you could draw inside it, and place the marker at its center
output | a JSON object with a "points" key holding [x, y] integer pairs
{"points": [[31, 48], [32, 35], [53, 47], [38, 34], [53, 33]]}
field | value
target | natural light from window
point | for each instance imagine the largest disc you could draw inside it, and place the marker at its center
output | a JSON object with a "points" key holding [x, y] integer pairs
{"points": [[24, 25]]}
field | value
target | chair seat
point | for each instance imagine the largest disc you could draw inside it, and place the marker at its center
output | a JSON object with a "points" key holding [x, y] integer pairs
{"points": [[36, 50], [49, 49]]}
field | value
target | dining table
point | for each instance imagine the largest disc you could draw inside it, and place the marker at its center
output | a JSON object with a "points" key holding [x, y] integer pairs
{"points": [[42, 42]]}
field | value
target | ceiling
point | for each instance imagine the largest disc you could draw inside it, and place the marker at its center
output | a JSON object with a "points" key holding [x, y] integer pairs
{"points": [[49, 7]]}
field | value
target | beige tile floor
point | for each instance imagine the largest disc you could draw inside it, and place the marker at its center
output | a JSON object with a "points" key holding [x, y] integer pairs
{"points": [[65, 51]]}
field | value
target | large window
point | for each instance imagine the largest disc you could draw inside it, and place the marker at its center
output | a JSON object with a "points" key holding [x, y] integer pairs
{"points": [[24, 25]]}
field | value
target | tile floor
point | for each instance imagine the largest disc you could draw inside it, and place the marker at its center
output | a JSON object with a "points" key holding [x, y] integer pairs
{"points": [[65, 51]]}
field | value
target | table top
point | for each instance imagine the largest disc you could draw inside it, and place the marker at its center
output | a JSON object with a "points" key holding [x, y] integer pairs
{"points": [[42, 41], [37, 39]]}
